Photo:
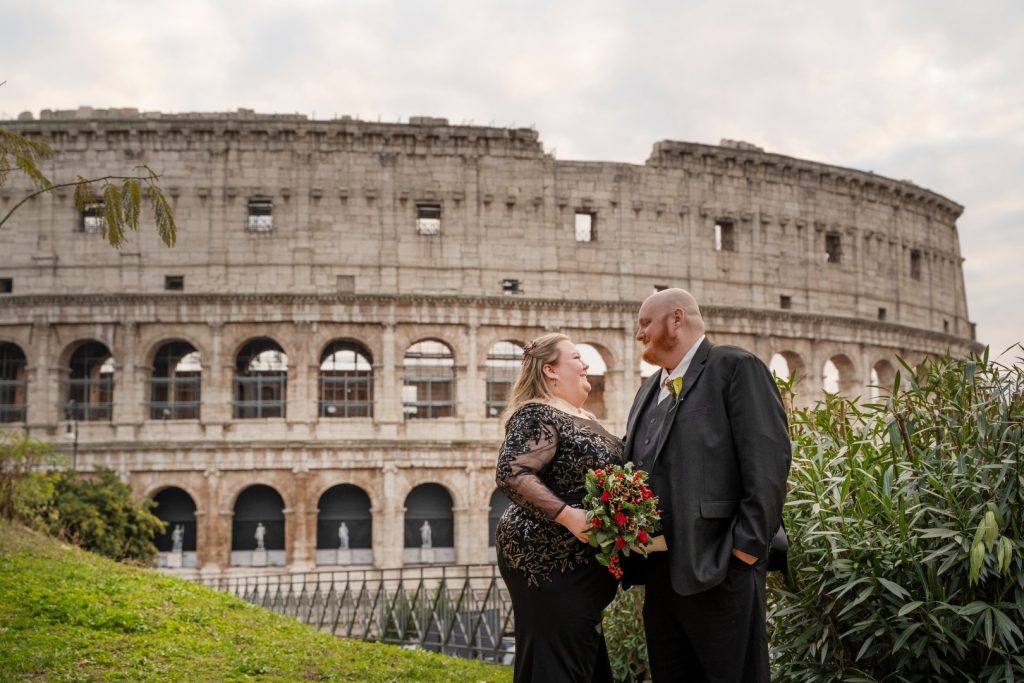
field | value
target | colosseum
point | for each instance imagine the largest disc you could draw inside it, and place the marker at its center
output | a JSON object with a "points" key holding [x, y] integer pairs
{"points": [[312, 376]]}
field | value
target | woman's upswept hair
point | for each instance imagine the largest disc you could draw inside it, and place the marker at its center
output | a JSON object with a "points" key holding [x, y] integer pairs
{"points": [[530, 384]]}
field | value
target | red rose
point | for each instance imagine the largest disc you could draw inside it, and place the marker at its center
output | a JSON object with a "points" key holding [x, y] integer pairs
{"points": [[620, 543], [620, 519], [600, 481], [596, 523], [620, 475], [642, 536], [605, 497], [599, 472], [646, 493]]}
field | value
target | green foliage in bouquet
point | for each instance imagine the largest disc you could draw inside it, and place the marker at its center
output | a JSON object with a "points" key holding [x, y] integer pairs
{"points": [[906, 529], [624, 634], [622, 512]]}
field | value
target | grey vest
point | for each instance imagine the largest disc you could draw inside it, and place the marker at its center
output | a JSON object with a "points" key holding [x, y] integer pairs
{"points": [[648, 427]]}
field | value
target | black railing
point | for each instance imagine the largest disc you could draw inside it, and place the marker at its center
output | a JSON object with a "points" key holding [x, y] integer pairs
{"points": [[460, 610]]}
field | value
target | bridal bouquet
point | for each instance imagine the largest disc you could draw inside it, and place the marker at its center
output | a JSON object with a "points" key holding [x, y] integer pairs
{"points": [[622, 512]]}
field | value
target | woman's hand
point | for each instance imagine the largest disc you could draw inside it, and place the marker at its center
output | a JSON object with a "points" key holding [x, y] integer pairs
{"points": [[575, 520]]}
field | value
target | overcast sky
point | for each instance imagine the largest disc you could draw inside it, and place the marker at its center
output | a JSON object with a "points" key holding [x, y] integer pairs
{"points": [[927, 91]]}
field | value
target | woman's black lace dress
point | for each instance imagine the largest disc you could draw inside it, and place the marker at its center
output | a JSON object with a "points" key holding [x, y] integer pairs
{"points": [[558, 589]]}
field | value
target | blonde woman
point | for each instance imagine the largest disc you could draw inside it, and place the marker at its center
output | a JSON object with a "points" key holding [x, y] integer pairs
{"points": [[558, 589]]}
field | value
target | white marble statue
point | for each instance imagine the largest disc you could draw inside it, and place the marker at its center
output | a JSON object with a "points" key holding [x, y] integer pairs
{"points": [[425, 535], [343, 536], [177, 538], [261, 532]]}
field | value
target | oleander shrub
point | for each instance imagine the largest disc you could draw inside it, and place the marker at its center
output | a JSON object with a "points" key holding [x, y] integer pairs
{"points": [[905, 519]]}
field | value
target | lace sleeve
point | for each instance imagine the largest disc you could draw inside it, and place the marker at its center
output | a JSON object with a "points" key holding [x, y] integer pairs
{"points": [[531, 440]]}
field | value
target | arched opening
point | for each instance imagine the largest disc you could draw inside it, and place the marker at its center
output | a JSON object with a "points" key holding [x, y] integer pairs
{"points": [[175, 385], [504, 360], [346, 381], [595, 375], [261, 380], [13, 385], [838, 375], [429, 525], [497, 506], [91, 383], [779, 366], [177, 545], [647, 369], [428, 390], [344, 526], [257, 530], [883, 374]]}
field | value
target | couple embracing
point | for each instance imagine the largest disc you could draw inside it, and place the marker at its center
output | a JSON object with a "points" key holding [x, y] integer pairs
{"points": [[717, 451]]}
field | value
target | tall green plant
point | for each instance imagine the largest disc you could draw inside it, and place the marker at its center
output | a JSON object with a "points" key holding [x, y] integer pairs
{"points": [[905, 519]]}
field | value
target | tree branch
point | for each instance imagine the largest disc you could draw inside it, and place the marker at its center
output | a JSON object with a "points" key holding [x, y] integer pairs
{"points": [[72, 184]]}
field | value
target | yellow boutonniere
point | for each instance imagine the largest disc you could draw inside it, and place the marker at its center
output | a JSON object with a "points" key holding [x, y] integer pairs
{"points": [[675, 387]]}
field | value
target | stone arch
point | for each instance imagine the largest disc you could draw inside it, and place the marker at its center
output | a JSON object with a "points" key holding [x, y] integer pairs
{"points": [[504, 359], [175, 383], [90, 383], [429, 524], [345, 380], [256, 506], [344, 526], [13, 383], [791, 362], [428, 380], [839, 375], [261, 379], [153, 345], [596, 356], [177, 508], [883, 374]]}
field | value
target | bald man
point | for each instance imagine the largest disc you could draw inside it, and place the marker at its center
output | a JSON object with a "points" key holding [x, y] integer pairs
{"points": [[711, 431]]}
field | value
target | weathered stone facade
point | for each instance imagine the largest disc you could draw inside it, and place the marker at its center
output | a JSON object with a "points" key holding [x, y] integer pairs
{"points": [[344, 260]]}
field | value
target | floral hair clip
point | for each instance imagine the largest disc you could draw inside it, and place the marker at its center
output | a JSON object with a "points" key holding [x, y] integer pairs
{"points": [[527, 347]]}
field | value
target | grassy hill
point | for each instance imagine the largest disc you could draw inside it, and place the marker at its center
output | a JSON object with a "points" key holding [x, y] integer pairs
{"points": [[68, 615]]}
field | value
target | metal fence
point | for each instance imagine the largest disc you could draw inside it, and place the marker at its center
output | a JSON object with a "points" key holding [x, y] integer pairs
{"points": [[460, 610]]}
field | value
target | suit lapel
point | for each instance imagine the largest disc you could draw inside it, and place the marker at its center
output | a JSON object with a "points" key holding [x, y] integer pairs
{"points": [[689, 379], [650, 387]]}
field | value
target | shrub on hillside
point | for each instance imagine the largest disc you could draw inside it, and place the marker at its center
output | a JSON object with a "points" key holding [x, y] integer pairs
{"points": [[99, 514], [95, 511], [906, 526]]}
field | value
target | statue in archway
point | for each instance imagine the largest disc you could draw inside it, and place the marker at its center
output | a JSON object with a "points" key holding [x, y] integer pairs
{"points": [[177, 538], [261, 533], [343, 536], [425, 535]]}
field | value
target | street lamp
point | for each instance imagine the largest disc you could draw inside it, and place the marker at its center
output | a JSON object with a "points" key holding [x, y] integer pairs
{"points": [[71, 414]]}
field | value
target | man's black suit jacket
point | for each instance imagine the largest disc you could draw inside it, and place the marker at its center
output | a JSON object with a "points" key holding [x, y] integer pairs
{"points": [[720, 467]]}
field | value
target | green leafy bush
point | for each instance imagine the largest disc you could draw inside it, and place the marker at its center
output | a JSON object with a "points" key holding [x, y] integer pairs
{"points": [[26, 488], [96, 511], [99, 514], [905, 519]]}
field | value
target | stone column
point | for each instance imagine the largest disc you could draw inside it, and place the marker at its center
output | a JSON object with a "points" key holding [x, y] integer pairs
{"points": [[129, 397], [217, 384], [213, 546], [301, 552], [389, 524], [44, 407], [387, 380], [303, 373], [471, 389]]}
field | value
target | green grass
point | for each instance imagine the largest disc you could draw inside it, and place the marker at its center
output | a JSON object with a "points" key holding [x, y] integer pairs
{"points": [[68, 615]]}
